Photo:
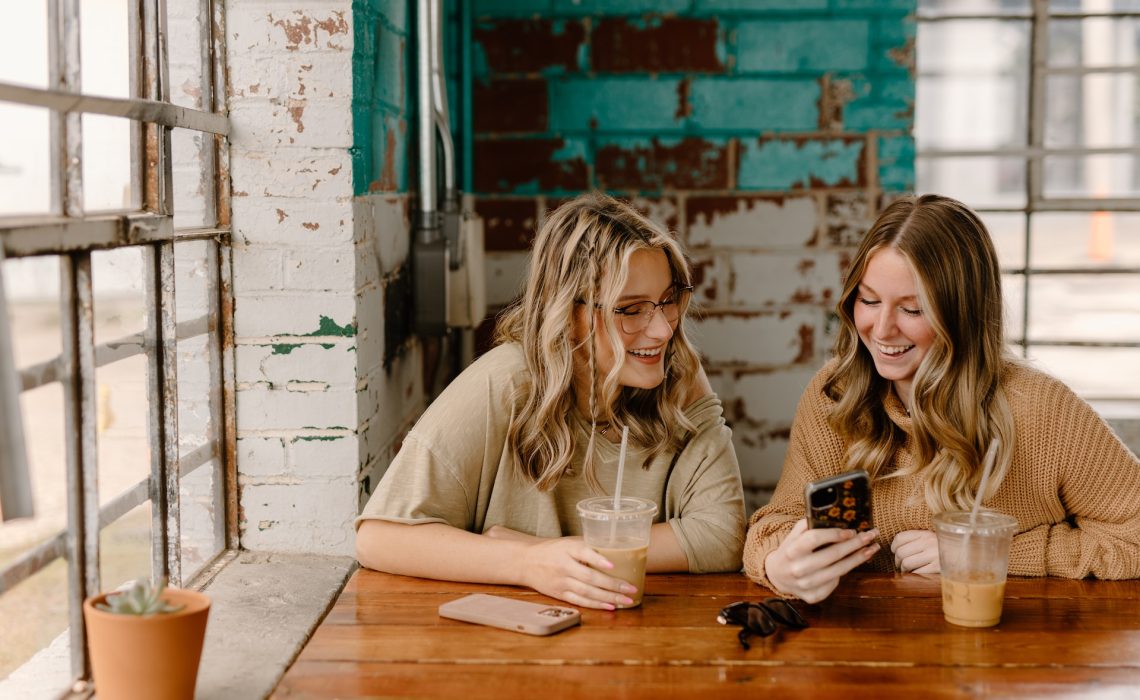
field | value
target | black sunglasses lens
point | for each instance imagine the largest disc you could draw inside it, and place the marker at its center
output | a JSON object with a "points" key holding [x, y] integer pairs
{"points": [[785, 612], [760, 622], [734, 614]]}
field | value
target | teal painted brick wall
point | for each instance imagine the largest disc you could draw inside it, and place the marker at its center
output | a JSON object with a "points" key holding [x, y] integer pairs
{"points": [[381, 78], [737, 76]]}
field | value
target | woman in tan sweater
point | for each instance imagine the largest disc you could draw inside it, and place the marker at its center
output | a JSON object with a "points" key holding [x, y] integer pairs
{"points": [[484, 487], [922, 382]]}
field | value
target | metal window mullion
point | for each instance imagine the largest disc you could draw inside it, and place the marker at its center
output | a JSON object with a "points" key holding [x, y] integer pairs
{"points": [[225, 302], [220, 345], [66, 128], [155, 78], [137, 90], [219, 81], [162, 384], [78, 360], [1035, 138]]}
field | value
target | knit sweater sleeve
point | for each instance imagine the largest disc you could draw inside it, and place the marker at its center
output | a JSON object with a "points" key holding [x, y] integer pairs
{"points": [[1098, 485], [814, 451]]}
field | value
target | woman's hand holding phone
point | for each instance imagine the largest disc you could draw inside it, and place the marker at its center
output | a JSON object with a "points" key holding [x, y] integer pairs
{"points": [[809, 563]]}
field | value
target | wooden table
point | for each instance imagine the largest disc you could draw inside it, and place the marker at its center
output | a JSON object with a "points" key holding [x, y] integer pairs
{"points": [[878, 636]]}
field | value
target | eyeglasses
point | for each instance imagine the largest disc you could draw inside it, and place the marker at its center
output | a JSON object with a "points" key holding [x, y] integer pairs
{"points": [[635, 318], [761, 619]]}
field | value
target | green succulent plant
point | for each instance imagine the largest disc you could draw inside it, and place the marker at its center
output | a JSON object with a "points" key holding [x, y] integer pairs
{"points": [[140, 599]]}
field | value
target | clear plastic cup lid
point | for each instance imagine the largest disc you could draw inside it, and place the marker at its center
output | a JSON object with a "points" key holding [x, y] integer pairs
{"points": [[630, 508], [988, 521]]}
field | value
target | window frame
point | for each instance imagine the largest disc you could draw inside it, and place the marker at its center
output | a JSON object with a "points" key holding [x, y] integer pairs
{"points": [[72, 235]]}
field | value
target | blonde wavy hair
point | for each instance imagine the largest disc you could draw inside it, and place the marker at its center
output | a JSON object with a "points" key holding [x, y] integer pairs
{"points": [[957, 405], [581, 257]]}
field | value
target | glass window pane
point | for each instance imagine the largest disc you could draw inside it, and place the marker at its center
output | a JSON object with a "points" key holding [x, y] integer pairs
{"points": [[186, 28], [1093, 43], [25, 164], [1094, 111], [35, 615], [1085, 307], [35, 611], [1094, 373], [972, 84], [970, 112], [1092, 176], [1085, 239], [1008, 233], [190, 151], [981, 182], [199, 410], [1013, 295], [104, 47], [24, 53], [106, 163], [122, 409]]}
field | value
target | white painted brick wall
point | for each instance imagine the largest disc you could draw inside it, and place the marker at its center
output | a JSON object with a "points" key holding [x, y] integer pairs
{"points": [[759, 223], [758, 338]]}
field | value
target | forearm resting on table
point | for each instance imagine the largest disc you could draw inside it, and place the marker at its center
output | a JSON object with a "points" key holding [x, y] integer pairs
{"points": [[438, 551], [665, 553]]}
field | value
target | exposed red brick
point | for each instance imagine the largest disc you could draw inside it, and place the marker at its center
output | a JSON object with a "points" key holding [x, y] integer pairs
{"points": [[807, 344], [508, 224], [667, 45], [692, 164], [684, 107], [529, 45], [503, 106], [506, 165]]}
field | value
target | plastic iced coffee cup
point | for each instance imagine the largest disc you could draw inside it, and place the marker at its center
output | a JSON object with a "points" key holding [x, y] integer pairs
{"points": [[974, 558], [621, 535]]}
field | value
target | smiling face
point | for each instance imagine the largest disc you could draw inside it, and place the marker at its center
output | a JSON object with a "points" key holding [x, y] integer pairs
{"points": [[890, 320], [643, 364]]}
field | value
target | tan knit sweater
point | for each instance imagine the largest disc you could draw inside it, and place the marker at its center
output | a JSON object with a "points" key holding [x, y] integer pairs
{"points": [[1073, 486]]}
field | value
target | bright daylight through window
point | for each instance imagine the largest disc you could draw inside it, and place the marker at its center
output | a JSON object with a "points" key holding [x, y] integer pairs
{"points": [[1026, 110], [114, 220]]}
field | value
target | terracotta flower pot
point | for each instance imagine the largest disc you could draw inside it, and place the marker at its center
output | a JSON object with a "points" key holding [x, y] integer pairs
{"points": [[154, 656]]}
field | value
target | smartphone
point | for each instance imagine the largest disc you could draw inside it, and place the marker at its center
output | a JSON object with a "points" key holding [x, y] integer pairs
{"points": [[843, 500], [511, 614]]}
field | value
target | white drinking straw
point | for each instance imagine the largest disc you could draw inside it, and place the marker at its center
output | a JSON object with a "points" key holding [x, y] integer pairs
{"points": [[621, 467], [617, 487], [987, 468]]}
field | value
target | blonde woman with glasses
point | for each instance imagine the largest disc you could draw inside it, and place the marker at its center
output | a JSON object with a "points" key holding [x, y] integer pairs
{"points": [[485, 485], [922, 383]]}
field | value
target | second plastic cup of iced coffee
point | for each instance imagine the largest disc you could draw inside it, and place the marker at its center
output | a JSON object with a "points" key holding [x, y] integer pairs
{"points": [[974, 556], [620, 534]]}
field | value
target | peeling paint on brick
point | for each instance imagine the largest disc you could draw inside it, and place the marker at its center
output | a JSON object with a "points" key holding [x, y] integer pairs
{"points": [[285, 348], [658, 164], [684, 107], [834, 94], [807, 345], [281, 215], [303, 30], [530, 166], [310, 225], [530, 45]]}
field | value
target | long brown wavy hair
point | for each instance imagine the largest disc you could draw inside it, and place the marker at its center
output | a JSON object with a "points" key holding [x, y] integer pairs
{"points": [[957, 405], [581, 256]]}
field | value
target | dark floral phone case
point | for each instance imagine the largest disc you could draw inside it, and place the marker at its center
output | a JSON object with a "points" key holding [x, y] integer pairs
{"points": [[840, 501]]}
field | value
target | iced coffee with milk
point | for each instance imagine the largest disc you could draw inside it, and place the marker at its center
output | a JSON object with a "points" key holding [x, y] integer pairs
{"points": [[973, 553], [620, 533]]}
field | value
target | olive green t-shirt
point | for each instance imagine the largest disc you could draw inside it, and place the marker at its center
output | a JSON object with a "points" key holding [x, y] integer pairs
{"points": [[454, 468]]}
